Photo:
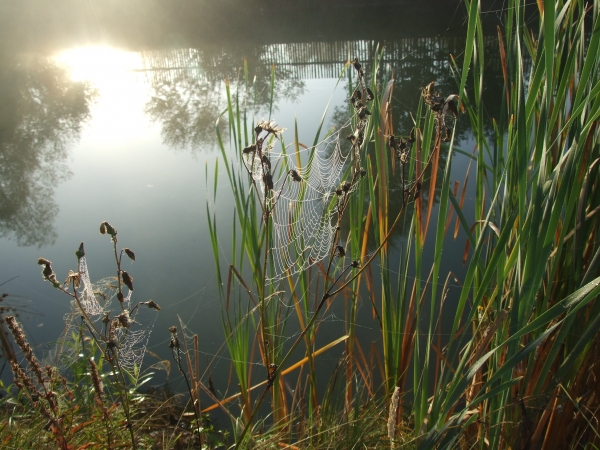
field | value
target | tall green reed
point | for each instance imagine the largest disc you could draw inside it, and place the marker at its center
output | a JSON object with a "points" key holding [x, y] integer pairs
{"points": [[532, 273]]}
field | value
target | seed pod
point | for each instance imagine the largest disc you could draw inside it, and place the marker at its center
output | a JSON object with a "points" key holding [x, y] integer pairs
{"points": [[120, 297], [295, 176], [173, 329], [124, 319], [128, 280], [346, 186], [268, 180], [110, 229], [249, 149], [129, 253], [340, 251], [339, 192], [355, 264], [370, 95], [258, 129], [80, 253], [357, 65], [152, 305], [362, 171], [47, 271], [103, 228], [363, 112], [266, 161], [43, 261]]}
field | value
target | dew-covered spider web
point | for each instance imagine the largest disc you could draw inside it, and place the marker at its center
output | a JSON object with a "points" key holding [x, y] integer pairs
{"points": [[96, 300], [304, 201]]}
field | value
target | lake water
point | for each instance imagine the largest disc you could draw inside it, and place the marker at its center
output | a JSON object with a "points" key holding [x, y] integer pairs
{"points": [[104, 122]]}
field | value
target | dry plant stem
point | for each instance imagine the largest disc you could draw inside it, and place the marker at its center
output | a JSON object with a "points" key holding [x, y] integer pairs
{"points": [[328, 294], [111, 360], [175, 351]]}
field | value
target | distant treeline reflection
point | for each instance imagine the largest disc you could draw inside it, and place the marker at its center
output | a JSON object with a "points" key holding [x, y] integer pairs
{"points": [[188, 83]]}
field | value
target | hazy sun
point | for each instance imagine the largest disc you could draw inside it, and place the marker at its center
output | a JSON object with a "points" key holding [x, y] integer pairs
{"points": [[99, 64]]}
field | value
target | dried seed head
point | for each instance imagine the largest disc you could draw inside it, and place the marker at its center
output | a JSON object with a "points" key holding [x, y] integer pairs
{"points": [[152, 305], [73, 277], [355, 264], [96, 380], [346, 186], [43, 262], [113, 342], [362, 171], [80, 253], [356, 96], [363, 112], [266, 161], [340, 251], [124, 320], [106, 227], [23, 344], [249, 149], [127, 279], [295, 176], [173, 329], [448, 135], [339, 192], [268, 180], [129, 253], [357, 65], [370, 95], [120, 297]]}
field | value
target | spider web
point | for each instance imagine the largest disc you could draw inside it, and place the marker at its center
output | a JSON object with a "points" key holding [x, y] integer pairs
{"points": [[304, 213], [96, 301]]}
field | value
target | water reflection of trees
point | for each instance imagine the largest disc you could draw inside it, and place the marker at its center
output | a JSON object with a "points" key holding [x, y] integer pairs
{"points": [[415, 63], [188, 90], [41, 112]]}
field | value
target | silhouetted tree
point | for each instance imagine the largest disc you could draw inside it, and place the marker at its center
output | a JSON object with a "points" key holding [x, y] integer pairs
{"points": [[41, 112]]}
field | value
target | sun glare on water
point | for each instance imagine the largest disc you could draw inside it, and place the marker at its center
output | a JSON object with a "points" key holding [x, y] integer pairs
{"points": [[99, 64]]}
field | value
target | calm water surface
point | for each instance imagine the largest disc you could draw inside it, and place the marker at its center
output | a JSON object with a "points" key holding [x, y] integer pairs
{"points": [[118, 128]]}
